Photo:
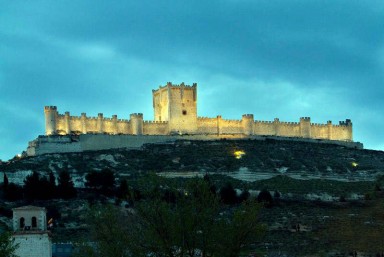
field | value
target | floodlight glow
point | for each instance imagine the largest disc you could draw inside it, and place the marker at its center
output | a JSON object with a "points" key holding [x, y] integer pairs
{"points": [[239, 154]]}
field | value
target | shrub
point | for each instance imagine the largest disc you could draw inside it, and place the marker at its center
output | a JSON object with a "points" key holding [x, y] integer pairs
{"points": [[265, 197], [228, 194]]}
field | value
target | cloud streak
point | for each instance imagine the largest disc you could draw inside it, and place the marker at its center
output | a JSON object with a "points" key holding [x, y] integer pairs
{"points": [[281, 59]]}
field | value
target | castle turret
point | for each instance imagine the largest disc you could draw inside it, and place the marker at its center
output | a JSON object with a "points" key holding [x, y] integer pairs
{"points": [[219, 121], [84, 123], [100, 127], [247, 122], [137, 123], [50, 120], [347, 128], [305, 127], [67, 123], [114, 124], [329, 127], [276, 125]]}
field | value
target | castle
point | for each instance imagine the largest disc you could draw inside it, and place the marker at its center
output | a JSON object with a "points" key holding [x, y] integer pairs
{"points": [[175, 112], [175, 118]]}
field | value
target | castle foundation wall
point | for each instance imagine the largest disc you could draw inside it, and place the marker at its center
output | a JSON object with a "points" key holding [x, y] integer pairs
{"points": [[95, 142]]}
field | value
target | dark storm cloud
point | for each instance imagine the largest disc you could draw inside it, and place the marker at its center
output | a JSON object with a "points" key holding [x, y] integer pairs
{"points": [[273, 58]]}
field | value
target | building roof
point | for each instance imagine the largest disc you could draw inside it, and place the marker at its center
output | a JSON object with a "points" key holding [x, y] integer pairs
{"points": [[29, 207]]}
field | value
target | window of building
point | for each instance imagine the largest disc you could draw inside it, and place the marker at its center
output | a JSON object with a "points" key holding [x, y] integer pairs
{"points": [[34, 222], [184, 112], [22, 222]]}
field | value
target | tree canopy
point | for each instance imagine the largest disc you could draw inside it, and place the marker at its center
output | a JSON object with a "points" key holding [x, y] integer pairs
{"points": [[7, 245], [194, 223]]}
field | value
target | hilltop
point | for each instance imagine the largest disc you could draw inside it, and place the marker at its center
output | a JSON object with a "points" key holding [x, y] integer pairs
{"points": [[248, 159], [312, 184]]}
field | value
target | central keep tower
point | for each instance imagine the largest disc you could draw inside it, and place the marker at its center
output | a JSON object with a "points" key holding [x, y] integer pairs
{"points": [[176, 104]]}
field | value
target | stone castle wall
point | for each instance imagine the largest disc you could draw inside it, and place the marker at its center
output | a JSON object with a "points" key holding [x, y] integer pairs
{"points": [[176, 113], [66, 124], [155, 128], [207, 125]]}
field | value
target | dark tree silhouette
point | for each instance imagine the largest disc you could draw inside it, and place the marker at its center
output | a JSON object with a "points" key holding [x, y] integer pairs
{"points": [[5, 181], [51, 190], [35, 188], [265, 197], [228, 194], [123, 190], [65, 187], [103, 181], [13, 192], [244, 196]]}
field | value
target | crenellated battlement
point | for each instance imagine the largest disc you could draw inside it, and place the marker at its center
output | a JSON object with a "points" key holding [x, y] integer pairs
{"points": [[170, 85], [247, 116], [50, 108], [207, 119], [231, 121], [288, 123], [176, 112], [319, 125], [347, 122], [136, 114], [155, 122], [264, 121]]}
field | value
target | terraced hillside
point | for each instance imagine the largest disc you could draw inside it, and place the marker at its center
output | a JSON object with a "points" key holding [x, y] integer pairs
{"points": [[249, 160], [332, 192]]}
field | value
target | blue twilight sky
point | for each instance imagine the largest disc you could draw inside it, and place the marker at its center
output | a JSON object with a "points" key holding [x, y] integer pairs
{"points": [[285, 59]]}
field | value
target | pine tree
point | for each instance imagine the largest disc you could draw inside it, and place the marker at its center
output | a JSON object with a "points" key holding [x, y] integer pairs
{"points": [[66, 188], [5, 181], [51, 190], [32, 186]]}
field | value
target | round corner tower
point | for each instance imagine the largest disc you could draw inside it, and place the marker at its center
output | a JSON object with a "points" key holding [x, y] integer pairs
{"points": [[50, 120], [247, 124], [136, 123]]}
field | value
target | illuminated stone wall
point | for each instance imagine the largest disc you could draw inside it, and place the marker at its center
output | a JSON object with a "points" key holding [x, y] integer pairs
{"points": [[231, 126], [264, 128], [175, 112], [155, 128], [207, 125], [289, 129]]}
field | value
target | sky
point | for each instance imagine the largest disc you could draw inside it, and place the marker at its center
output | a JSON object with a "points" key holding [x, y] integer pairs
{"points": [[281, 59]]}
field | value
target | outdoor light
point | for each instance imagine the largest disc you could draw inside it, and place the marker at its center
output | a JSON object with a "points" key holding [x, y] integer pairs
{"points": [[239, 154]]}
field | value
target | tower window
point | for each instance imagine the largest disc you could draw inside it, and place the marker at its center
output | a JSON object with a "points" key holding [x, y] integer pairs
{"points": [[34, 222], [22, 222], [184, 112]]}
